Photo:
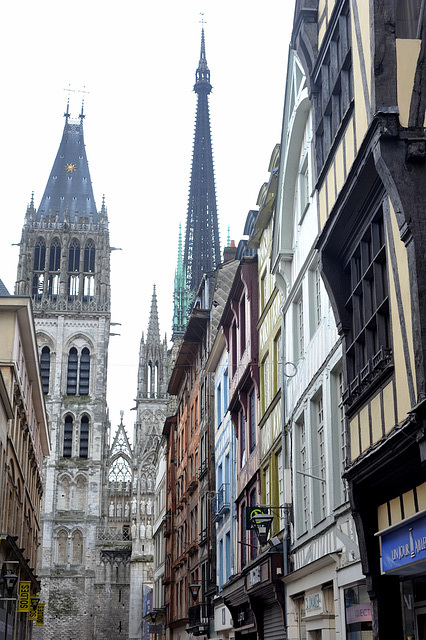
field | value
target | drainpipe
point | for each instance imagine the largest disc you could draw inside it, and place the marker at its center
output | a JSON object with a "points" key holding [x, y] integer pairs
{"points": [[284, 443]]}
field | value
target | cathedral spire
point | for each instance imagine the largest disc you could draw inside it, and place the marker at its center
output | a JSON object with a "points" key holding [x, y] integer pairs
{"points": [[202, 247], [180, 295], [153, 336]]}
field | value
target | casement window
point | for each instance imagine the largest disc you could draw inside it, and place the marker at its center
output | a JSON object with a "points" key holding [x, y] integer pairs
{"points": [[368, 340], [242, 434], [242, 325], [45, 369], [219, 415], [302, 469], [253, 536], [299, 327], [280, 486], [334, 81], [266, 382], [319, 456], [243, 536], [252, 420], [409, 19]]}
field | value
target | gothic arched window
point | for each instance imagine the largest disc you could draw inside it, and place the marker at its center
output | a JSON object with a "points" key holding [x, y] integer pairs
{"points": [[62, 547], [89, 257], [64, 494], [39, 266], [120, 470], [72, 372], [80, 494], [45, 368], [83, 387], [84, 437], [68, 429], [39, 255], [55, 255], [74, 256], [77, 547]]}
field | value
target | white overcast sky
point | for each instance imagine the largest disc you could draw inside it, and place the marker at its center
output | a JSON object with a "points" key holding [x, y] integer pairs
{"points": [[137, 60]]}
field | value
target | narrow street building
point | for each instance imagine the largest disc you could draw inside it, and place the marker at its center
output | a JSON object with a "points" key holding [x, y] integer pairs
{"points": [[24, 443], [364, 68]]}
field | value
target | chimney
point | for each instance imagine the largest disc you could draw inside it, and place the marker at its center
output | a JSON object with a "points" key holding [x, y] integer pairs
{"points": [[230, 252]]}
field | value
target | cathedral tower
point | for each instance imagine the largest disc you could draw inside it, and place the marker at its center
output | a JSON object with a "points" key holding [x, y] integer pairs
{"points": [[151, 411], [64, 265], [202, 247]]}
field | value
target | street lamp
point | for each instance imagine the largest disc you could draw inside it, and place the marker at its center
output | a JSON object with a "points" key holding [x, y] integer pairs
{"points": [[9, 580], [262, 524], [34, 602], [194, 589]]}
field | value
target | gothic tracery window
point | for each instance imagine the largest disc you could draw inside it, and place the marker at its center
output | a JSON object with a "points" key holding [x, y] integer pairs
{"points": [[55, 255], [120, 470], [89, 257], [39, 267]]}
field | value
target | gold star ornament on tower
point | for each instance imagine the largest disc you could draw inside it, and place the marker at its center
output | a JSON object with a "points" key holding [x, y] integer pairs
{"points": [[70, 168]]}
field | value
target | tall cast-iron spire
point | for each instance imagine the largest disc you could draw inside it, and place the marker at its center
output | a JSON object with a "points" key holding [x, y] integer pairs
{"points": [[202, 249]]}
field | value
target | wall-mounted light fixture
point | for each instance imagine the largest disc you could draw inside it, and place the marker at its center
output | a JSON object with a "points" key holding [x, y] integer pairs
{"points": [[194, 589], [261, 523]]}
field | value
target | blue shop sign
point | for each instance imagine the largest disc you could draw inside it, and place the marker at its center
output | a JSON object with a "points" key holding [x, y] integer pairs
{"points": [[404, 546]]}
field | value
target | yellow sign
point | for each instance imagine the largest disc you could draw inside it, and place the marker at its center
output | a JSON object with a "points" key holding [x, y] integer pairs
{"points": [[32, 614], [40, 614], [24, 597]]}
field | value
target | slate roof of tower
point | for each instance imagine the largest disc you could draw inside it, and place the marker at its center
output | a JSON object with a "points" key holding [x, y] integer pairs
{"points": [[3, 289], [69, 187]]}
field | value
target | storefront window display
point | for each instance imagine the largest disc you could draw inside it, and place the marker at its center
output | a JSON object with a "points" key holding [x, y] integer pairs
{"points": [[413, 599], [358, 613]]}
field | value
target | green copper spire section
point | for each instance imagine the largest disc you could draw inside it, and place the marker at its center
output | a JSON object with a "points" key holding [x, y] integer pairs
{"points": [[180, 295]]}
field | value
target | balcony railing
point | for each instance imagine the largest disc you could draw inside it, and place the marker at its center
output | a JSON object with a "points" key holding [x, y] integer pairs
{"points": [[221, 503], [202, 469], [199, 618]]}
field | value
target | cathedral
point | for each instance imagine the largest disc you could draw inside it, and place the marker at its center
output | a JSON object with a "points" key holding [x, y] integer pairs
{"points": [[96, 553]]}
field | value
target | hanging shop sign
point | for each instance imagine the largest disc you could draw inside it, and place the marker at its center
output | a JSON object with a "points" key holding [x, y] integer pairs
{"points": [[40, 614], [404, 546], [251, 512], [24, 605]]}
